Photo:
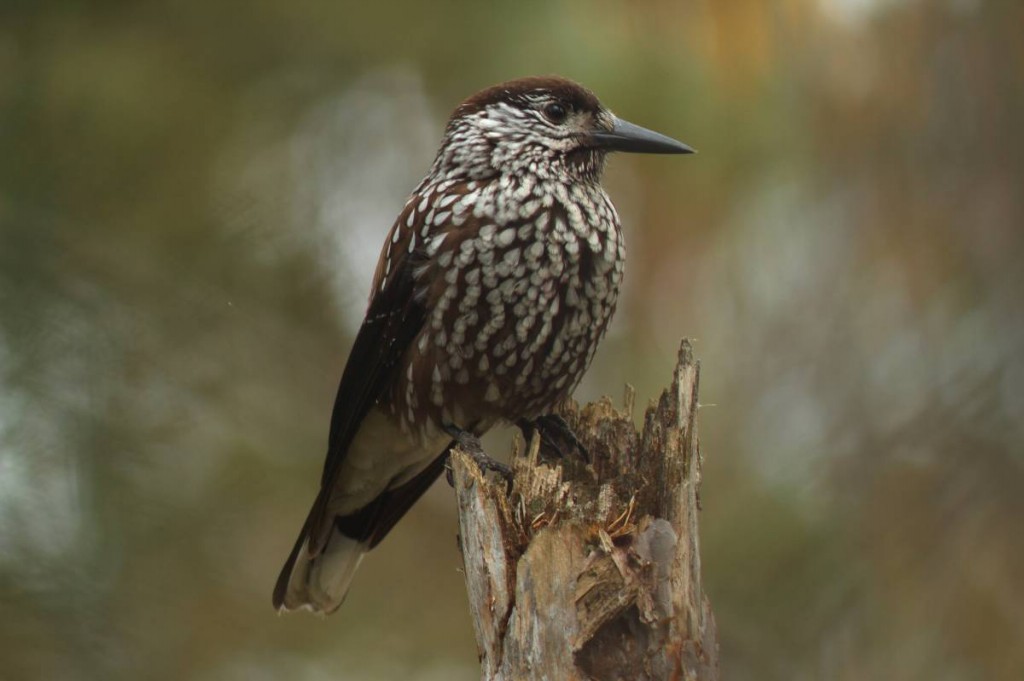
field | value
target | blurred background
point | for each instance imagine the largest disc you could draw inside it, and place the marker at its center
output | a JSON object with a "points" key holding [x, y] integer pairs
{"points": [[192, 197]]}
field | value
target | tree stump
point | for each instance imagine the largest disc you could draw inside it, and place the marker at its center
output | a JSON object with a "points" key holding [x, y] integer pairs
{"points": [[592, 570]]}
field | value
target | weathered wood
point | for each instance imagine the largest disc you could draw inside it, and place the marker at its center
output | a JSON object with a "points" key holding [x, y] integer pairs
{"points": [[592, 571]]}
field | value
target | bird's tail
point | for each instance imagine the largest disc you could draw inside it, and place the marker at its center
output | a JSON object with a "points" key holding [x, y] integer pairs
{"points": [[318, 582], [320, 568]]}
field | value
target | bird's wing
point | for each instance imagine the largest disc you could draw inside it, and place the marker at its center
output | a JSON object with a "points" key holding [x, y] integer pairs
{"points": [[372, 523], [393, 318]]}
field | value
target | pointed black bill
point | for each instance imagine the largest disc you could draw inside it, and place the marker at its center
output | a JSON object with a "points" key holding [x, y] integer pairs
{"points": [[624, 136]]}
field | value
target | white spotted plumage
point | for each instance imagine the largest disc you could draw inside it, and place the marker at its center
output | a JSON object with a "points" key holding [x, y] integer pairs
{"points": [[523, 260], [493, 290]]}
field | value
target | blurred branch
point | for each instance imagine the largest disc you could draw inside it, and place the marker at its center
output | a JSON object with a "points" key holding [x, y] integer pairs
{"points": [[592, 571]]}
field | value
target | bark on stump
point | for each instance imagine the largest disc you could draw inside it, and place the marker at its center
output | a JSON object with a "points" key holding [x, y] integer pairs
{"points": [[593, 571]]}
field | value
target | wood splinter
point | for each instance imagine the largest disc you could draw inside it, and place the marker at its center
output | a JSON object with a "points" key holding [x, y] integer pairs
{"points": [[592, 571]]}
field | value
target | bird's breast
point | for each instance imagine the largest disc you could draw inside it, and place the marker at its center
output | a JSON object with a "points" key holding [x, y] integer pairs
{"points": [[518, 296]]}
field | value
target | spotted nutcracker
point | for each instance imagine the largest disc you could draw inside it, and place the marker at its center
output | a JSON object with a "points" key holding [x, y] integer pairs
{"points": [[492, 292]]}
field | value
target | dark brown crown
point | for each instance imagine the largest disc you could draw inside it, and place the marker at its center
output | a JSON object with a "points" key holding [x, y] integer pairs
{"points": [[572, 95]]}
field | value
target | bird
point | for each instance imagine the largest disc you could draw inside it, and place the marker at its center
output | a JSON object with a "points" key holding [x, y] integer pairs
{"points": [[493, 289]]}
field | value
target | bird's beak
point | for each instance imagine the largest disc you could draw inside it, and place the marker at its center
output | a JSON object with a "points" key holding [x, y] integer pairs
{"points": [[624, 136]]}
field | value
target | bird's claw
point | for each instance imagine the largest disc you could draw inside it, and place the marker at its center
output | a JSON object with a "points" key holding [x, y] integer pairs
{"points": [[470, 444], [555, 435]]}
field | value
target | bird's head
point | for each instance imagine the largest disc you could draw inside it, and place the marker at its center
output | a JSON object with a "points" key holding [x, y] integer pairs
{"points": [[548, 126]]}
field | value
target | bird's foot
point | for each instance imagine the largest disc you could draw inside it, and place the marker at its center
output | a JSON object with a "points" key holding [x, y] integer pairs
{"points": [[470, 444], [555, 436]]}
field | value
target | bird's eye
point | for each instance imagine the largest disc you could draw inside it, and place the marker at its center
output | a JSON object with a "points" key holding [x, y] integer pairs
{"points": [[555, 112]]}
